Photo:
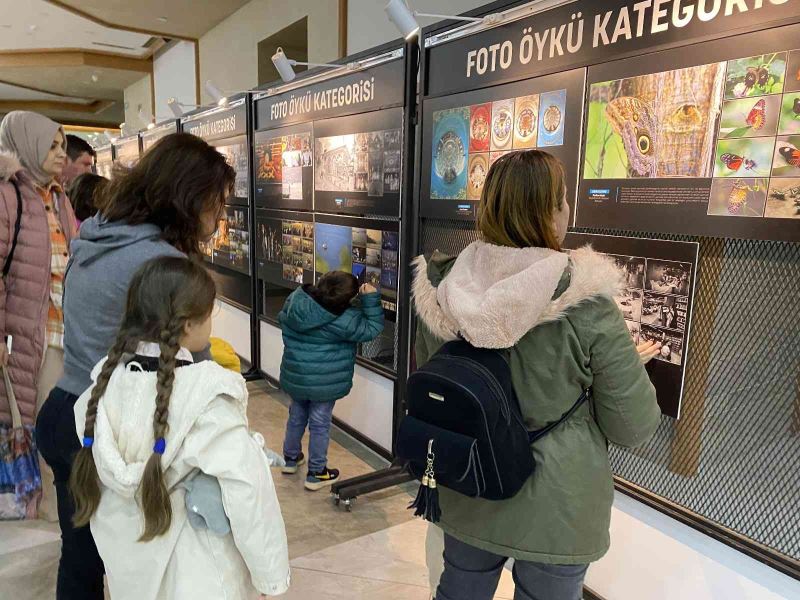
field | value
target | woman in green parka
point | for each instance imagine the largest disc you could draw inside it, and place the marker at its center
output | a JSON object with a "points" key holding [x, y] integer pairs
{"points": [[515, 289]]}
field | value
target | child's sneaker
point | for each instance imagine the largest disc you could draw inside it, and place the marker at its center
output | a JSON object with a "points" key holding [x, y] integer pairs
{"points": [[292, 464], [316, 481]]}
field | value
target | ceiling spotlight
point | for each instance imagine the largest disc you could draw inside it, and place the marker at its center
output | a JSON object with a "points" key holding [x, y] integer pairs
{"points": [[405, 19], [95, 78], [284, 65], [109, 136], [175, 107], [162, 19], [147, 122], [215, 93]]}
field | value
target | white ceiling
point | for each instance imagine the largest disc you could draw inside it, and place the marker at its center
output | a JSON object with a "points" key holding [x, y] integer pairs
{"points": [[38, 25], [13, 92]]}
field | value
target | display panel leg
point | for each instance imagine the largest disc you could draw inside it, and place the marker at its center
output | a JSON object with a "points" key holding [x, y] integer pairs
{"points": [[688, 440], [347, 491]]}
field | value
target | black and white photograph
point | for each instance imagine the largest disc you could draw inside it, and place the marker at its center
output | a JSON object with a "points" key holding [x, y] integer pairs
{"points": [[630, 304], [335, 163], [633, 328], [668, 277], [271, 241], [671, 343], [389, 260], [660, 310], [632, 268], [373, 257], [374, 238], [376, 160], [359, 236], [359, 255]]}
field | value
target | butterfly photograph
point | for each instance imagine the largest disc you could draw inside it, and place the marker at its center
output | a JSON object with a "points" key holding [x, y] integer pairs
{"points": [[792, 83], [738, 197], [744, 157], [783, 198], [750, 117], [786, 162], [756, 75], [790, 114], [657, 125]]}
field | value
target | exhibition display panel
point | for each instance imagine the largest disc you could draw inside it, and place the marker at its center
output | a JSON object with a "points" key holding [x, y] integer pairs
{"points": [[127, 150], [104, 162], [328, 151], [228, 251], [679, 166], [701, 140], [656, 302], [151, 136]]}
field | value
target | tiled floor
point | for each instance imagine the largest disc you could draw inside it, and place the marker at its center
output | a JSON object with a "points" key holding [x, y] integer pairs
{"points": [[375, 552]]}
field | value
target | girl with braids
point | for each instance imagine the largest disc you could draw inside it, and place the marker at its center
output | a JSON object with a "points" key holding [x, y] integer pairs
{"points": [[164, 206], [152, 420]]}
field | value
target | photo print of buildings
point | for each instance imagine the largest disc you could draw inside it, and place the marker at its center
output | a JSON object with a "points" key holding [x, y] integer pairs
{"points": [[467, 140], [735, 122], [655, 302], [367, 162], [236, 156], [281, 161]]}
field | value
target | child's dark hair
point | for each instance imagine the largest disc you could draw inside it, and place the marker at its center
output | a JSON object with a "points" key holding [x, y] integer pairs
{"points": [[335, 290], [164, 295], [82, 193]]}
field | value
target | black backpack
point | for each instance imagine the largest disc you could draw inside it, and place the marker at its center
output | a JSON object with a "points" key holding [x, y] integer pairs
{"points": [[464, 429]]}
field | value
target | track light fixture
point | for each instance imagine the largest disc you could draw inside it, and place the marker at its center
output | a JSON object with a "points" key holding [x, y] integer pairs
{"points": [[284, 65], [405, 19], [215, 93]]}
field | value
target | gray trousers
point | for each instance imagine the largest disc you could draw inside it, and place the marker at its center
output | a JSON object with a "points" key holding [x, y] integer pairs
{"points": [[473, 574]]}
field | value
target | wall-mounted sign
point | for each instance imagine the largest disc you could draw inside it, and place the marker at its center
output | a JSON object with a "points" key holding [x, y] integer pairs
{"points": [[218, 123]]}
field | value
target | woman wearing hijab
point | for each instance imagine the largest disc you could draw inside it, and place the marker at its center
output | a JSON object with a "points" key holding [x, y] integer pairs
{"points": [[32, 157]]}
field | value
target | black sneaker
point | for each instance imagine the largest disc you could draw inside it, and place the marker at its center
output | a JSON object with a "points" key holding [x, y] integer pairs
{"points": [[316, 481], [292, 464]]}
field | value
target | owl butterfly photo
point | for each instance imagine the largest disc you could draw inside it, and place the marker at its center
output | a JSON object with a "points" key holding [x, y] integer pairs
{"points": [[758, 115], [635, 122], [790, 154]]}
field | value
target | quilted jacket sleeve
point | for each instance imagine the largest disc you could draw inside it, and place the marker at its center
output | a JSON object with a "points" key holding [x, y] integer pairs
{"points": [[625, 400], [221, 447], [6, 231], [363, 324]]}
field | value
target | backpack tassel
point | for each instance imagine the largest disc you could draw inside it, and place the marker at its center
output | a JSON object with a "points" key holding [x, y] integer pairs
{"points": [[426, 504]]}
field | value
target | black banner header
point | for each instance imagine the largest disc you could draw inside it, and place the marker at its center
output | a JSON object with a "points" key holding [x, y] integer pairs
{"points": [[371, 89], [219, 124], [585, 32]]}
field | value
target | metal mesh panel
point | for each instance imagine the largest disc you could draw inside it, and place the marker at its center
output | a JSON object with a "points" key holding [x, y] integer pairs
{"points": [[732, 457]]}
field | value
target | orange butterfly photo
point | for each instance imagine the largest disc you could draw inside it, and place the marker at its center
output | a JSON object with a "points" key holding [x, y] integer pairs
{"points": [[750, 117], [786, 162], [744, 157]]}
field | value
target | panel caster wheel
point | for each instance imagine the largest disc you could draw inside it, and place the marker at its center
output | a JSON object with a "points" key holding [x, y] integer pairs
{"points": [[348, 504], [336, 499]]}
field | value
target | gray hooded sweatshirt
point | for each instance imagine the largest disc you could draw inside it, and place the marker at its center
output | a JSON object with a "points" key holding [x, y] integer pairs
{"points": [[103, 262]]}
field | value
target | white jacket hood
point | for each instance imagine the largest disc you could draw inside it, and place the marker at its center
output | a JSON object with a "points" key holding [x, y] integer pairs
{"points": [[494, 295], [121, 448]]}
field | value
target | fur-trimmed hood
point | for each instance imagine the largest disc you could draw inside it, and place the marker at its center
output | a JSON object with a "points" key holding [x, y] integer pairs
{"points": [[494, 295], [9, 166]]}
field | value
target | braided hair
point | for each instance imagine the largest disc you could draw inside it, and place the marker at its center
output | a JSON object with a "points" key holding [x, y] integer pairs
{"points": [[164, 296]]}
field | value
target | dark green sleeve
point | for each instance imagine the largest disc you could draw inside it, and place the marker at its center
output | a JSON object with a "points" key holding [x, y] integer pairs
{"points": [[366, 323], [625, 400]]}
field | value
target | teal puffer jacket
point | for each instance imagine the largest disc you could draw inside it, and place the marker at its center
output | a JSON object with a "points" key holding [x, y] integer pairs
{"points": [[320, 347]]}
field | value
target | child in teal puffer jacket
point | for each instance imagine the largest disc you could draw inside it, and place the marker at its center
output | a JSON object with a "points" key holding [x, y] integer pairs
{"points": [[321, 326]]}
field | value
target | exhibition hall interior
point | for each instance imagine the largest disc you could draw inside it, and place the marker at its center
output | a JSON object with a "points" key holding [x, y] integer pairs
{"points": [[417, 229]]}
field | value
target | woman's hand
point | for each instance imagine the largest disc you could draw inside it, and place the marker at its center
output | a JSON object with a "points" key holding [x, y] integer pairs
{"points": [[367, 289], [648, 351]]}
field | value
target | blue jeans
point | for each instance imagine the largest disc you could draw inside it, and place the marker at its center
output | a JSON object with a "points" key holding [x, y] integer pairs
{"points": [[473, 574], [317, 416]]}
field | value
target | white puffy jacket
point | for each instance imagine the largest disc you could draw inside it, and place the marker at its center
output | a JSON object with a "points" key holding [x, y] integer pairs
{"points": [[207, 432]]}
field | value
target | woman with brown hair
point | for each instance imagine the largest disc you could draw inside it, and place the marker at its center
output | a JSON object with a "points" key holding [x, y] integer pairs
{"points": [[554, 313], [129, 477], [165, 206]]}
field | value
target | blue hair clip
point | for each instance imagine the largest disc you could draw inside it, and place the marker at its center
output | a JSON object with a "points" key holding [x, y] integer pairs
{"points": [[88, 441], [160, 446]]}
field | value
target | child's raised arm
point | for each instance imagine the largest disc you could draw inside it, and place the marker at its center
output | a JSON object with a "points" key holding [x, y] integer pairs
{"points": [[220, 446], [364, 324]]}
